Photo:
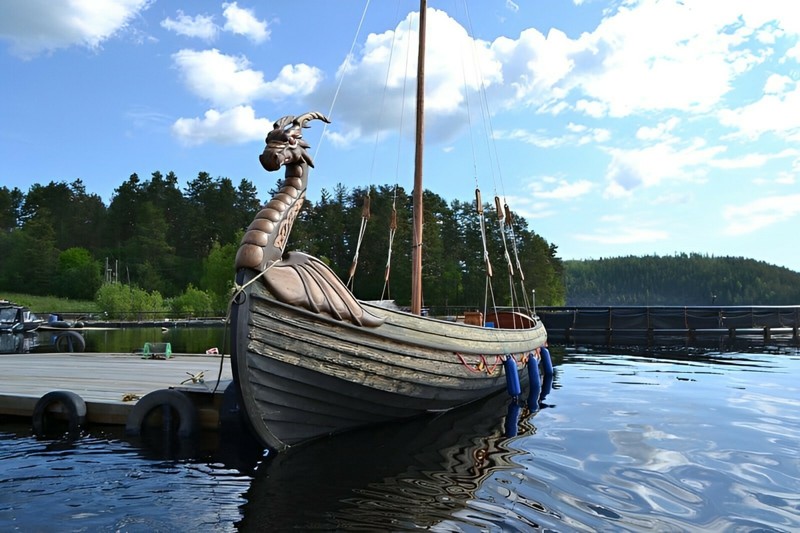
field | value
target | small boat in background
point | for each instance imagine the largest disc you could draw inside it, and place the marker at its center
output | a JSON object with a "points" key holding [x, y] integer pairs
{"points": [[56, 322], [17, 318]]}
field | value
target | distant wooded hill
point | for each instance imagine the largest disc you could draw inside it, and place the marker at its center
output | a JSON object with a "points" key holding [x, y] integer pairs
{"points": [[681, 279]]}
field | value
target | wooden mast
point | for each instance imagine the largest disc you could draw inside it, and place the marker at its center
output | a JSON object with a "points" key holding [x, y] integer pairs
{"points": [[416, 252]]}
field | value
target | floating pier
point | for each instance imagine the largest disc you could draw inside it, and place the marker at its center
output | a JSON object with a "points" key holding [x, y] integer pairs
{"points": [[117, 389], [646, 323]]}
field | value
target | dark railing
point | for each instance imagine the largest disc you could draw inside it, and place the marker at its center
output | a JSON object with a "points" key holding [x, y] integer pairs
{"points": [[568, 323]]}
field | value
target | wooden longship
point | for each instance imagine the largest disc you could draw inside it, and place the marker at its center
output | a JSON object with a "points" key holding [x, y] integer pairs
{"points": [[310, 360]]}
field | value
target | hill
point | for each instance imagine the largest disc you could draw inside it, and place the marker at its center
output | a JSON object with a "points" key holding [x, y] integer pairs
{"points": [[682, 279]]}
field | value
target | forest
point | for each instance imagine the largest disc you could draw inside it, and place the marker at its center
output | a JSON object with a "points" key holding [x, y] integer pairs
{"points": [[681, 279], [60, 239], [156, 243]]}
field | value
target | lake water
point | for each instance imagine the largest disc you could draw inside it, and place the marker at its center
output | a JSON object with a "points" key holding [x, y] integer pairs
{"points": [[182, 338], [622, 440]]}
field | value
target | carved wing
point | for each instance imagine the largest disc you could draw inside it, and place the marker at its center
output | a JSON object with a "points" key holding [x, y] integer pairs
{"points": [[305, 281]]}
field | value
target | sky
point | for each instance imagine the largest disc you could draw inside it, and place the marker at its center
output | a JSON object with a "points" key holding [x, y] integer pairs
{"points": [[615, 128]]}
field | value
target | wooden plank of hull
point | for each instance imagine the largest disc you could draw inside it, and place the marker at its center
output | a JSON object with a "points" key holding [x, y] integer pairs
{"points": [[303, 375]]}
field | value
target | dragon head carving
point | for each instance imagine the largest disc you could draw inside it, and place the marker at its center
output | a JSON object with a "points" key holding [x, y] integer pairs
{"points": [[285, 144]]}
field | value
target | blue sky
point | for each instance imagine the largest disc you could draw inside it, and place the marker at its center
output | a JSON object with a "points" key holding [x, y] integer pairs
{"points": [[620, 128]]}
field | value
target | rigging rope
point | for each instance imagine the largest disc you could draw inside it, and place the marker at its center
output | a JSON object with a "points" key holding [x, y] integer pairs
{"points": [[341, 78], [365, 218], [362, 230], [493, 152], [386, 293]]}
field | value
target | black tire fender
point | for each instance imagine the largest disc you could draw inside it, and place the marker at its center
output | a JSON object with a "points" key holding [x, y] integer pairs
{"points": [[73, 405], [70, 341], [177, 401]]}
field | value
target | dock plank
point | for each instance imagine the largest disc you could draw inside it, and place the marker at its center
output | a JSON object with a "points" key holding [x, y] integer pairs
{"points": [[103, 380]]}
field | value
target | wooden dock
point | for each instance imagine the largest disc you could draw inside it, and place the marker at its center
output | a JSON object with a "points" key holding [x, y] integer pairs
{"points": [[112, 384], [633, 324]]}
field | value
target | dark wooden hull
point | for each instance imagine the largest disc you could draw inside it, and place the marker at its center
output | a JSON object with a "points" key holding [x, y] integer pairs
{"points": [[303, 375]]}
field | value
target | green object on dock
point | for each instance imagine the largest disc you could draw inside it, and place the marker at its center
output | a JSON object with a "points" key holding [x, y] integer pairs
{"points": [[157, 350]]}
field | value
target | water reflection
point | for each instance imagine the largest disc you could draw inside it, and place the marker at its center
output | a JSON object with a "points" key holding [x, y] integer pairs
{"points": [[182, 338], [16, 342], [411, 475]]}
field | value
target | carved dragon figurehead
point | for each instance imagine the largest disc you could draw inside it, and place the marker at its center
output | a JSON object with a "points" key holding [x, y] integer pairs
{"points": [[285, 143], [264, 241], [294, 278]]}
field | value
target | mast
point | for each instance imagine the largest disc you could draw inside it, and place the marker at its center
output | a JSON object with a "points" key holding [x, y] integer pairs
{"points": [[416, 252]]}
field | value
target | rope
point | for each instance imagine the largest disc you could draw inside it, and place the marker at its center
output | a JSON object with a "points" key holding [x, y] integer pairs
{"points": [[510, 224], [341, 79], [237, 290], [375, 150], [482, 365], [392, 233], [361, 232]]}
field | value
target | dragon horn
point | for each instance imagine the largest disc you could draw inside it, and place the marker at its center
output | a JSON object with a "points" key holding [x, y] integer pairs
{"points": [[304, 118], [283, 121]]}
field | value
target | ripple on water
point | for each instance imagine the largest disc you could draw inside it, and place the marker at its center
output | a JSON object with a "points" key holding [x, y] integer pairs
{"points": [[95, 484]]}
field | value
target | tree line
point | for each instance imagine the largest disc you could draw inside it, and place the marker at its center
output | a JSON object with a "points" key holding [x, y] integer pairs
{"points": [[59, 239], [455, 269], [681, 279]]}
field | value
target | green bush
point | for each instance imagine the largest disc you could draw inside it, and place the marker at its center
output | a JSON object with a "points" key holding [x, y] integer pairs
{"points": [[78, 274], [125, 302], [193, 302]]}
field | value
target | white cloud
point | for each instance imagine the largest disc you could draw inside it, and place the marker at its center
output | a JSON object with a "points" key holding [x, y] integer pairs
{"points": [[227, 81], [37, 26], [793, 53], [651, 165], [562, 189], [645, 56], [292, 80], [243, 22], [238, 21], [637, 58], [223, 80], [594, 109], [200, 26], [777, 84], [535, 66], [642, 55], [230, 85], [236, 125], [761, 213], [661, 132], [576, 135], [776, 112], [454, 61]]}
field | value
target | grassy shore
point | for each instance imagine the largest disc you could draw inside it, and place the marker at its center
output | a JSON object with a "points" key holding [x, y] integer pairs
{"points": [[51, 304]]}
